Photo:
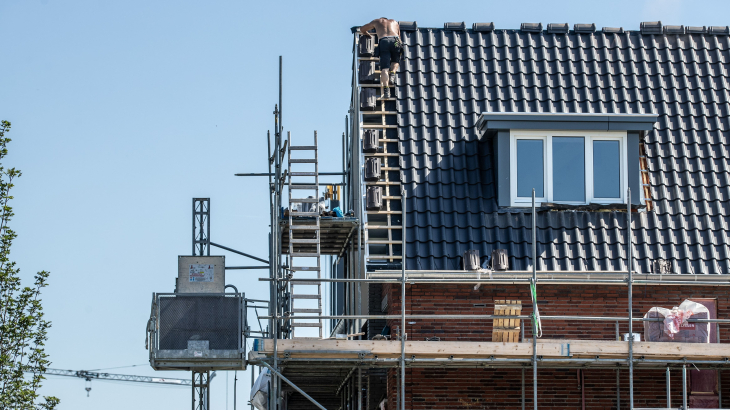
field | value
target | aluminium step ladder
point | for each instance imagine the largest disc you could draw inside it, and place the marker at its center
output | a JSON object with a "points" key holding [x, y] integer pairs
{"points": [[304, 236]]}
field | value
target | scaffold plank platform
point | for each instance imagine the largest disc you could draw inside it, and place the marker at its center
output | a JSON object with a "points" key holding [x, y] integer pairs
{"points": [[546, 348], [334, 233]]}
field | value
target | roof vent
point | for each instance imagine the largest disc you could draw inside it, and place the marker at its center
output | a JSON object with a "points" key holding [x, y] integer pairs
{"points": [[531, 27], [408, 25], [455, 26], [483, 26], [558, 28], [613, 30], [499, 259], [673, 29], [719, 30], [662, 267], [696, 29], [585, 28], [651, 27], [471, 260]]}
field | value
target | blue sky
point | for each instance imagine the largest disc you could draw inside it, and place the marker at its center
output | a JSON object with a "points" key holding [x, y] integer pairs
{"points": [[124, 111]]}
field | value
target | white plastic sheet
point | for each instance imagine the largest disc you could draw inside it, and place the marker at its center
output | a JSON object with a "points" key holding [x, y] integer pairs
{"points": [[674, 326], [260, 390]]}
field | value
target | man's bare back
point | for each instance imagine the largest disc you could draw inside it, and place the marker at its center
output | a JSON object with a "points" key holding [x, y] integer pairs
{"points": [[383, 28], [389, 48]]}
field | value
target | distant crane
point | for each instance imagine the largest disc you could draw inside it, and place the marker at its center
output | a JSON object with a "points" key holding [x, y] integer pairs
{"points": [[84, 374]]}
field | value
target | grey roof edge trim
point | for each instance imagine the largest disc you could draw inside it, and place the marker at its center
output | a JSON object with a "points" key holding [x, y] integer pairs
{"points": [[574, 121]]}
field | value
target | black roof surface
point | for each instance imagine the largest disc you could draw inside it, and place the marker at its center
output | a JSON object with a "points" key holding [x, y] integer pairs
{"points": [[449, 77]]}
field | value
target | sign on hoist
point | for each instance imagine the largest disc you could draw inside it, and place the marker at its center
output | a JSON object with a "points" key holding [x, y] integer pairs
{"points": [[201, 272]]}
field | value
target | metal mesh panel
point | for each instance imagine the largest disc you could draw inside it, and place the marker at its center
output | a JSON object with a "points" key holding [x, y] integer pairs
{"points": [[212, 318]]}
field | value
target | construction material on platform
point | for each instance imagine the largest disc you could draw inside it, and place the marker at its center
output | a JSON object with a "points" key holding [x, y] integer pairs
{"points": [[547, 348], [506, 330], [201, 274], [674, 327]]}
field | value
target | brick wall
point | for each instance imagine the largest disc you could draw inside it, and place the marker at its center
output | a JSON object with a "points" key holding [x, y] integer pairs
{"points": [[473, 389], [439, 388], [553, 300]]}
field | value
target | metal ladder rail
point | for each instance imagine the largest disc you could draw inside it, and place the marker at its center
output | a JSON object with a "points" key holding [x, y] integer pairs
{"points": [[314, 228]]}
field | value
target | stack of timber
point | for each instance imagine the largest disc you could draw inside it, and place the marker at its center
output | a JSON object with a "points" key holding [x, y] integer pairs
{"points": [[506, 330]]}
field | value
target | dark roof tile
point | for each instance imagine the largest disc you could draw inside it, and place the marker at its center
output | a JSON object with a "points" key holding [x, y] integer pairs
{"points": [[450, 77]]}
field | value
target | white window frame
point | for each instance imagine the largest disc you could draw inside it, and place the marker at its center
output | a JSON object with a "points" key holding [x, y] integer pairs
{"points": [[547, 136]]}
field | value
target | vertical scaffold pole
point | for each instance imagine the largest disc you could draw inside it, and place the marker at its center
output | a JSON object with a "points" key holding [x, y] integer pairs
{"points": [[669, 395], [359, 388], [684, 387], [272, 235], [403, 303], [534, 301], [631, 300], [618, 372]]}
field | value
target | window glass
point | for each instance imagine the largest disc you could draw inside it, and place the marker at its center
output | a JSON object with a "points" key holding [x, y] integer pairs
{"points": [[530, 168], [606, 169], [569, 169]]}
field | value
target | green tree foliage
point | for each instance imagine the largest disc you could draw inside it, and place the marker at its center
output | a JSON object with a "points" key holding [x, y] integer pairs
{"points": [[23, 331]]}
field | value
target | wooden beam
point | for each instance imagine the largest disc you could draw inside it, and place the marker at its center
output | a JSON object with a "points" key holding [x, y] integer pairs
{"points": [[315, 348]]}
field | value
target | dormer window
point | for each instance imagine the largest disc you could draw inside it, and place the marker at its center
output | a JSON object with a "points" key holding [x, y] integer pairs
{"points": [[569, 159], [568, 167]]}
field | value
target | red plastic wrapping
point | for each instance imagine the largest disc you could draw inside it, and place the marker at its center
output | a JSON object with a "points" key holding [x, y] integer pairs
{"points": [[673, 327]]}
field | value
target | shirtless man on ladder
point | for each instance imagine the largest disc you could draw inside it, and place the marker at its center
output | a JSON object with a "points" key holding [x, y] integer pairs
{"points": [[390, 48]]}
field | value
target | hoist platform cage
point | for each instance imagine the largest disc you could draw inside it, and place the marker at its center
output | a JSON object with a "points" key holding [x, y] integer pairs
{"points": [[201, 331]]}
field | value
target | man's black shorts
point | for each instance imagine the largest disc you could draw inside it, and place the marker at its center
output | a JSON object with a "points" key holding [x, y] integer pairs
{"points": [[390, 49]]}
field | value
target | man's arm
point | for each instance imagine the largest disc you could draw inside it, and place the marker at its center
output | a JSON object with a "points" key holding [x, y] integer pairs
{"points": [[364, 29]]}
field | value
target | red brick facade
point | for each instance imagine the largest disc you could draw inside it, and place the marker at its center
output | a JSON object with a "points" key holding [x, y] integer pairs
{"points": [[479, 388]]}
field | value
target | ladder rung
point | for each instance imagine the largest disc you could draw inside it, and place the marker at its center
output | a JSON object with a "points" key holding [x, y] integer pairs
{"points": [[302, 147], [314, 187], [306, 324], [305, 296], [306, 311], [292, 240], [304, 213], [303, 174], [304, 227], [305, 268], [302, 161], [304, 255], [308, 200]]}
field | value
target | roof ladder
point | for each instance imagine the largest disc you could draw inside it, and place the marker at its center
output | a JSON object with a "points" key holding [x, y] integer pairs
{"points": [[304, 236]]}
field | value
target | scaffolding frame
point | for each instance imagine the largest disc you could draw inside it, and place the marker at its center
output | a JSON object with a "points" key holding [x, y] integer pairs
{"points": [[351, 388]]}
